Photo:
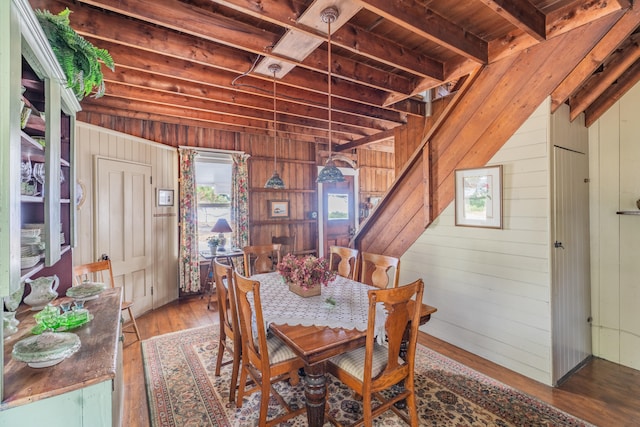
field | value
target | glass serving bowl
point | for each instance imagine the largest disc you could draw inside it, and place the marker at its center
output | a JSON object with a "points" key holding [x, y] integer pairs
{"points": [[48, 349]]}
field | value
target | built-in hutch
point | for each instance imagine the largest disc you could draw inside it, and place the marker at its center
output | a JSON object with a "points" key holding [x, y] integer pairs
{"points": [[38, 187]]}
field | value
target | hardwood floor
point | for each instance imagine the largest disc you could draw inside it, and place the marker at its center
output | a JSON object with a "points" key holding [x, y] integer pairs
{"points": [[601, 392]]}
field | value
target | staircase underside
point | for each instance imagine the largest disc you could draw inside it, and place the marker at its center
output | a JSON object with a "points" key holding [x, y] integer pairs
{"points": [[494, 102]]}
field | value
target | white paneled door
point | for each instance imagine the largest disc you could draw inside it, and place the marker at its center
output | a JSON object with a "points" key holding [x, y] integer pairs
{"points": [[123, 203], [571, 295]]}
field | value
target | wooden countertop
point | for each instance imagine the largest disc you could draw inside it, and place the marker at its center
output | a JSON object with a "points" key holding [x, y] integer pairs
{"points": [[94, 363]]}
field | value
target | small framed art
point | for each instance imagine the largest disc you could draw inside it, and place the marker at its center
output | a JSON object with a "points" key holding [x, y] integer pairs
{"points": [[165, 197], [278, 208], [478, 199]]}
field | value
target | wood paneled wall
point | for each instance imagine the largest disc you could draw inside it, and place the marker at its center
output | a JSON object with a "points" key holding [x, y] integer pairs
{"points": [[377, 173], [297, 168], [296, 163]]}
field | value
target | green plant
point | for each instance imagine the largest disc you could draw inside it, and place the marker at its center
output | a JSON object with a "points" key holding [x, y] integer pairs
{"points": [[213, 241], [78, 58]]}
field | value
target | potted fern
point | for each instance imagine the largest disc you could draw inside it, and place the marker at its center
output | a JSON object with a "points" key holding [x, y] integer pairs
{"points": [[79, 59]]}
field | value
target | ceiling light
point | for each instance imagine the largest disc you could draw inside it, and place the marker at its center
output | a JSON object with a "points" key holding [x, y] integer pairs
{"points": [[330, 173], [275, 182]]}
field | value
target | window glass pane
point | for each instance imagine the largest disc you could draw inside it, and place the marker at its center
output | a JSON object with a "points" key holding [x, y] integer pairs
{"points": [[213, 186], [338, 206]]}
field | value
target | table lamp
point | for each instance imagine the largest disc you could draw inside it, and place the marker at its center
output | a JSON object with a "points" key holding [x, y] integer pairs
{"points": [[221, 226]]}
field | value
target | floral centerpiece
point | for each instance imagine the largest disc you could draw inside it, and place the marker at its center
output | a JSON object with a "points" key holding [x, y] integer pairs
{"points": [[305, 275]]}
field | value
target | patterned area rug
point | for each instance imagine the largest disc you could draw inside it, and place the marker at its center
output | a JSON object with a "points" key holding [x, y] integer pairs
{"points": [[182, 390]]}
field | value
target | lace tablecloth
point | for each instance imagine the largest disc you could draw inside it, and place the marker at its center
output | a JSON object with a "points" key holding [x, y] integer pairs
{"points": [[281, 306]]}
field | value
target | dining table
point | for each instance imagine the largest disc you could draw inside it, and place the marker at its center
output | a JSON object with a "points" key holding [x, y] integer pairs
{"points": [[319, 327]]}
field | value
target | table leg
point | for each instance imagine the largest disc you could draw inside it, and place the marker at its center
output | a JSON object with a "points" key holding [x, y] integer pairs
{"points": [[315, 391]]}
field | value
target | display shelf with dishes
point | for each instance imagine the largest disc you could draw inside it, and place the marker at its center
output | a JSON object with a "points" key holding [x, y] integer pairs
{"points": [[45, 143], [38, 151]]}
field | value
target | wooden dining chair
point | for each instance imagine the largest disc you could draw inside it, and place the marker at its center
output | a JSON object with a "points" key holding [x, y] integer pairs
{"points": [[266, 360], [97, 272], [374, 270], [344, 261], [287, 243], [371, 369], [261, 258], [229, 325]]}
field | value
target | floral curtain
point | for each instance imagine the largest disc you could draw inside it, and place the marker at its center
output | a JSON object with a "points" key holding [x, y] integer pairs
{"points": [[240, 200], [189, 256]]}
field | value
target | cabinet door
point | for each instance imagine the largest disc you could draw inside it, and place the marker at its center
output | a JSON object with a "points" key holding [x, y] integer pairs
{"points": [[52, 172], [10, 45]]}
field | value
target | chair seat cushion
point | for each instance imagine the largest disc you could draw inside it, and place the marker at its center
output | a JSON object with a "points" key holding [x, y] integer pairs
{"points": [[353, 361], [278, 350]]}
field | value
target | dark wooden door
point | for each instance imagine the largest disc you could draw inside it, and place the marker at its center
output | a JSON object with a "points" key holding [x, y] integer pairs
{"points": [[339, 216]]}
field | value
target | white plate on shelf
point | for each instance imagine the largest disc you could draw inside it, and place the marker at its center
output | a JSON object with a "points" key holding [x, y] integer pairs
{"points": [[30, 232], [29, 261]]}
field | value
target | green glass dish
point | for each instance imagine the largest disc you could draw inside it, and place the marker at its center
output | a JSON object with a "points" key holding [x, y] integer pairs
{"points": [[50, 319]]}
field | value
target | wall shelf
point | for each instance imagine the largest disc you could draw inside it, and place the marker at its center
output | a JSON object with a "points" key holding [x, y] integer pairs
{"points": [[284, 221], [285, 190]]}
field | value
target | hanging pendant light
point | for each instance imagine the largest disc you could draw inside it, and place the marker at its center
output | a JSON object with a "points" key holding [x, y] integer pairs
{"points": [[330, 173], [275, 182]]}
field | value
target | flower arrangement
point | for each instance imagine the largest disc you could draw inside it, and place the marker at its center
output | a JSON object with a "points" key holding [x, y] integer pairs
{"points": [[213, 240], [305, 271]]}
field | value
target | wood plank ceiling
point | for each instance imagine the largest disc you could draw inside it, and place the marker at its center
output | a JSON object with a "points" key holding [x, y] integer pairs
{"points": [[204, 63]]}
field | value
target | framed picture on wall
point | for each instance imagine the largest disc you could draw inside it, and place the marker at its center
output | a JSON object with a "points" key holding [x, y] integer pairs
{"points": [[165, 197], [278, 208], [478, 199]]}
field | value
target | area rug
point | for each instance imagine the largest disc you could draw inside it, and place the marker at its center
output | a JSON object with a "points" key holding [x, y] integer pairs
{"points": [[182, 390]]}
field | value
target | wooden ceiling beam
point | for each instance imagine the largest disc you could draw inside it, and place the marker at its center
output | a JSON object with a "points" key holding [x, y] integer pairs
{"points": [[619, 62], [344, 92], [578, 12], [223, 30], [98, 113], [216, 86], [521, 14], [258, 105], [571, 16], [134, 108], [454, 70], [375, 138], [614, 38], [612, 94], [347, 125], [349, 37], [430, 26]]}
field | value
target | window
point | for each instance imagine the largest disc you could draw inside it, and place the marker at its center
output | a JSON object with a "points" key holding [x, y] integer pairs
{"points": [[338, 205], [213, 186]]}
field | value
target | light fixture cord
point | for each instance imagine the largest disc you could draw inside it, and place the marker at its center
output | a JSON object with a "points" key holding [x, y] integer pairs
{"points": [[329, 77], [275, 126]]}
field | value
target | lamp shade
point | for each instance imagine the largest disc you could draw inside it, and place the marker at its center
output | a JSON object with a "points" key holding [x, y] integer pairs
{"points": [[330, 173], [275, 182], [221, 226]]}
